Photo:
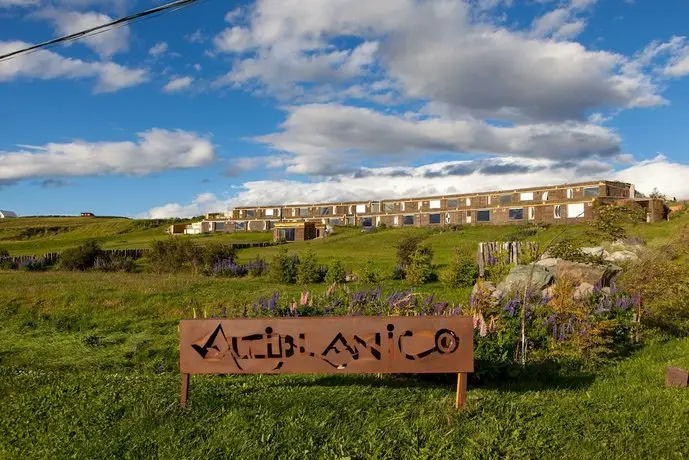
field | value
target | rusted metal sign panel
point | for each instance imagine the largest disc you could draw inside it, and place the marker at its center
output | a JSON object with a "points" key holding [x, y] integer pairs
{"points": [[400, 344]]}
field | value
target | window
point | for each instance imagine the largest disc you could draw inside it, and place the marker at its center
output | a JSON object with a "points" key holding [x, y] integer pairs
{"points": [[324, 211], [532, 213], [570, 193], [303, 212], [270, 212], [361, 209], [367, 222], [452, 203], [483, 216], [408, 220], [516, 214], [410, 206], [557, 211], [375, 208], [388, 207], [286, 234], [591, 191], [505, 199], [468, 201], [434, 218], [250, 213], [240, 226], [526, 196], [575, 210], [350, 221], [219, 226], [434, 204], [334, 222], [544, 196]]}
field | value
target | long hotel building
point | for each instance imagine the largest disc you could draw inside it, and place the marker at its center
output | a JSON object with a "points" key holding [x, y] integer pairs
{"points": [[551, 204]]}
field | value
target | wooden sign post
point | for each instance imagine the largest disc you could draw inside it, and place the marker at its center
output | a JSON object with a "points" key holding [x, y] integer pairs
{"points": [[328, 345]]}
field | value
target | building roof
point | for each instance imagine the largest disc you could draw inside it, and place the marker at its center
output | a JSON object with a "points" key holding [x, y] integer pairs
{"points": [[6, 213]]}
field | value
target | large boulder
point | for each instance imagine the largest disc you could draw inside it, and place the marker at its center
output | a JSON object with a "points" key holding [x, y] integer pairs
{"points": [[596, 251], [622, 256], [535, 276], [583, 290], [548, 262], [586, 273]]}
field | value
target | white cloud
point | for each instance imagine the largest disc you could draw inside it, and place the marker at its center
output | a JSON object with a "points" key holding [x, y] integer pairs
{"points": [[18, 3], [158, 49], [196, 37], [392, 183], [331, 138], [197, 67], [201, 204], [178, 84], [106, 44], [669, 177], [48, 65], [437, 52], [154, 150]]}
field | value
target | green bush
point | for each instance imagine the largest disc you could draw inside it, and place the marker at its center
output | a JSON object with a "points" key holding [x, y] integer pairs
{"points": [[4, 252], [80, 258], [610, 220], [462, 271], [420, 270], [336, 273], [398, 272], [178, 253], [406, 247], [308, 271], [284, 267], [370, 274], [567, 249]]}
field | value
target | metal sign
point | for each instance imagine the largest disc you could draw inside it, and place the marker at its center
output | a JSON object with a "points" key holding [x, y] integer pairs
{"points": [[328, 345]]}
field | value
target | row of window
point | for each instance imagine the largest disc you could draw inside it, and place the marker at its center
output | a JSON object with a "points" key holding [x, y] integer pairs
{"points": [[400, 206], [574, 210]]}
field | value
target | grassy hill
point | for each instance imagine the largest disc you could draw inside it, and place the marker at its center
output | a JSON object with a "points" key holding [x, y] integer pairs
{"points": [[38, 235], [88, 367]]}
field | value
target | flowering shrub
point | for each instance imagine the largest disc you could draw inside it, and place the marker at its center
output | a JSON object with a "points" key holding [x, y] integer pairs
{"points": [[229, 268], [256, 267], [421, 269]]}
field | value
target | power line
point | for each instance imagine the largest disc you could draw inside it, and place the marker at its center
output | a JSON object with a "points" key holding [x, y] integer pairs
{"points": [[178, 4]]}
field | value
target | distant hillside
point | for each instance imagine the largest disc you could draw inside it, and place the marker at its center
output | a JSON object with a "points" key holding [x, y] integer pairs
{"points": [[38, 235]]}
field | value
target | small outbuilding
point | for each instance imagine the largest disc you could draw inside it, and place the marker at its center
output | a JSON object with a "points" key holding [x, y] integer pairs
{"points": [[295, 231], [87, 214], [177, 229], [7, 214]]}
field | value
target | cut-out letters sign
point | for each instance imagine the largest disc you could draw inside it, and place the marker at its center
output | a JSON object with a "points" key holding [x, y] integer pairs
{"points": [[328, 345]]}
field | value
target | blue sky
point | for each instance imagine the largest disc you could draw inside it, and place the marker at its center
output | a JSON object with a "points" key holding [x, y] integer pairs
{"points": [[226, 103]]}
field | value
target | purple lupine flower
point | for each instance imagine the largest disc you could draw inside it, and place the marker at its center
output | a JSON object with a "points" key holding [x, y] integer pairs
{"points": [[439, 308], [597, 287]]}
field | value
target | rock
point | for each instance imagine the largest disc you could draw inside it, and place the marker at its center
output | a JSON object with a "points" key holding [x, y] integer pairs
{"points": [[586, 273], [536, 276], [631, 241], [622, 256], [548, 262], [495, 293], [583, 290], [351, 277], [596, 251], [606, 290]]}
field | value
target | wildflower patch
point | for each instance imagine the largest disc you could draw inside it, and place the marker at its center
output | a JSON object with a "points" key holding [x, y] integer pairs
{"points": [[328, 345]]}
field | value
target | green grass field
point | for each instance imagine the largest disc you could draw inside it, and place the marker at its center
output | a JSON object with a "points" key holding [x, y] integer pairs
{"points": [[88, 368]]}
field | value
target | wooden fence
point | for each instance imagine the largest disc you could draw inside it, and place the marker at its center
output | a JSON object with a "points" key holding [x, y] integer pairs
{"points": [[509, 252]]}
